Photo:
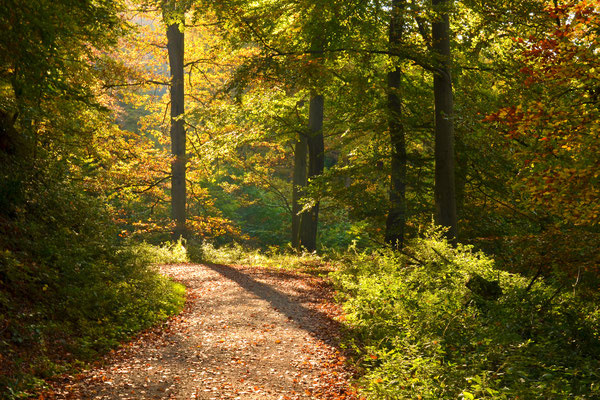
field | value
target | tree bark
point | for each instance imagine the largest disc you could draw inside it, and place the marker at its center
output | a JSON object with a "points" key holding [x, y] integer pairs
{"points": [[316, 165], [445, 197], [396, 219], [299, 183], [460, 176], [175, 47]]}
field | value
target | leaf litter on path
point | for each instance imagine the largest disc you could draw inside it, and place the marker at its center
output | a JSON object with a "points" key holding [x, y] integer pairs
{"points": [[245, 333]]}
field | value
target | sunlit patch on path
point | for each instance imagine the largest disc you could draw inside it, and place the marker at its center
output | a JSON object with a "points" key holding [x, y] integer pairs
{"points": [[246, 333]]}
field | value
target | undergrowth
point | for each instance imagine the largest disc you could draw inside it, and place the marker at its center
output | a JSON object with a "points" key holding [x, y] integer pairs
{"points": [[68, 291], [421, 331], [441, 322], [274, 257], [165, 253]]}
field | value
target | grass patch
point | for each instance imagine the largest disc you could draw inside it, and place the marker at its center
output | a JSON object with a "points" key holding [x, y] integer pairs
{"points": [[165, 253], [274, 257]]}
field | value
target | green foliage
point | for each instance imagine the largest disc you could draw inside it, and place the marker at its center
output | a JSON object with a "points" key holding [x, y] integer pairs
{"points": [[273, 257], [67, 291], [551, 116], [67, 288], [166, 253], [195, 251], [420, 332]]}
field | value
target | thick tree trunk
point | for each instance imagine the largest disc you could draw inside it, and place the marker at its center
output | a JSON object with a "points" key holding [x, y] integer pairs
{"points": [[299, 183], [316, 164], [396, 219], [445, 197], [175, 46]]}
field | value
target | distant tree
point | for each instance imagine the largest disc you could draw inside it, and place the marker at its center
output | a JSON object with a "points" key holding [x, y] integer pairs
{"points": [[298, 185], [316, 165]]}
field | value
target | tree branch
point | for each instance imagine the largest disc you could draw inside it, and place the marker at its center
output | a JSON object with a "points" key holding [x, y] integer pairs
{"points": [[140, 83]]}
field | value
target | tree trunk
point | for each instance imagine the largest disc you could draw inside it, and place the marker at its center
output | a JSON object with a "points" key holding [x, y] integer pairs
{"points": [[460, 176], [445, 197], [299, 183], [316, 165], [175, 46], [396, 219]]}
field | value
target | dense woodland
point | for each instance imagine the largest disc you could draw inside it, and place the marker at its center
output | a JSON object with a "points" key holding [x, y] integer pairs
{"points": [[443, 156]]}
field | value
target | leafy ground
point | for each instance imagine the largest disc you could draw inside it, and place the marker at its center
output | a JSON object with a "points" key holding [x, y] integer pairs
{"points": [[246, 332]]}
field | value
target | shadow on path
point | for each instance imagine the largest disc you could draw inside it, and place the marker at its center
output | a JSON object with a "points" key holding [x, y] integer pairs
{"points": [[313, 321]]}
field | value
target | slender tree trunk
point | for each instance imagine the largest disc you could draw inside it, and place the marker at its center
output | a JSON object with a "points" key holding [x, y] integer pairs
{"points": [[460, 176], [396, 219], [8, 133], [316, 165], [299, 183], [445, 197], [175, 46]]}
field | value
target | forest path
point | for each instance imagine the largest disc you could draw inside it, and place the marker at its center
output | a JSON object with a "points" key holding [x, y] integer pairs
{"points": [[245, 333]]}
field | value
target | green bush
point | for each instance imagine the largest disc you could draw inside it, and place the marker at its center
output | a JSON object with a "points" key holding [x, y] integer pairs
{"points": [[195, 251], [420, 332], [166, 253], [230, 254], [67, 290], [273, 257]]}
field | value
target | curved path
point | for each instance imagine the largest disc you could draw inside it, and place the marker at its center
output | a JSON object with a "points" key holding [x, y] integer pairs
{"points": [[246, 333]]}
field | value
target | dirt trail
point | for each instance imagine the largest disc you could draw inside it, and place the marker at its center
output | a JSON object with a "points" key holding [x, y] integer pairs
{"points": [[246, 333]]}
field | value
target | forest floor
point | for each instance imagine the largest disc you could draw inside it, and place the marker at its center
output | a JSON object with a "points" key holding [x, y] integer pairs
{"points": [[245, 333]]}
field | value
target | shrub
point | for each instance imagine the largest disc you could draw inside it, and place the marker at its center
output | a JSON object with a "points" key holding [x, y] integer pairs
{"points": [[67, 291], [166, 253], [195, 251], [420, 332], [273, 257]]}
